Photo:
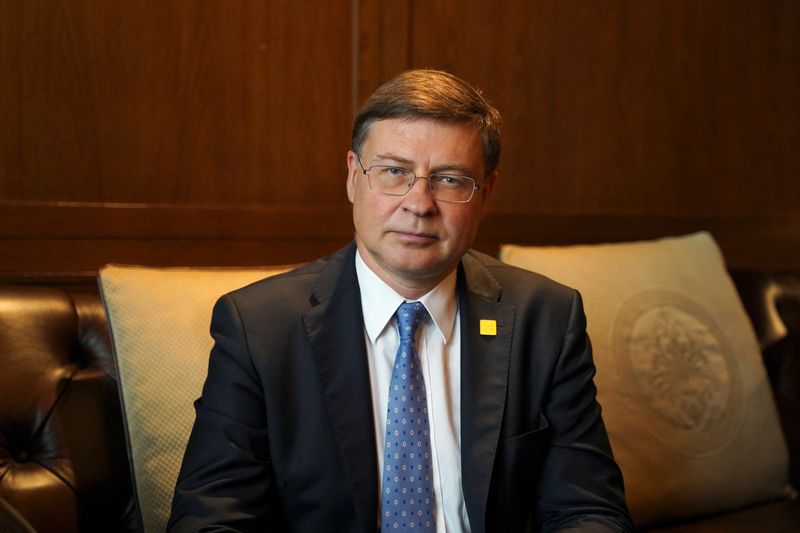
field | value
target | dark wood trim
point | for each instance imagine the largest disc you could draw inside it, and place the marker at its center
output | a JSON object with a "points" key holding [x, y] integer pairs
{"points": [[73, 240], [170, 221], [562, 229], [768, 242]]}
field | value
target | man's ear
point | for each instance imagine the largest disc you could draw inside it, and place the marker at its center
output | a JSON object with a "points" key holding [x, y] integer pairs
{"points": [[353, 172], [487, 188]]}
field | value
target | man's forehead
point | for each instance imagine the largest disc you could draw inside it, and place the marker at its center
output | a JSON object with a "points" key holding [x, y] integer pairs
{"points": [[403, 139]]}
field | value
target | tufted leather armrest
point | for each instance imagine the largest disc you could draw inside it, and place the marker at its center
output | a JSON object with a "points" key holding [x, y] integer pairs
{"points": [[63, 459], [11, 521]]}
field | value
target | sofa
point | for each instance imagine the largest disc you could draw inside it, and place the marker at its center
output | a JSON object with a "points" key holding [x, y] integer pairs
{"points": [[65, 460]]}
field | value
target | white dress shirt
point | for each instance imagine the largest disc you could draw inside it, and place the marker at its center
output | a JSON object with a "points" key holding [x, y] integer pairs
{"points": [[439, 351]]}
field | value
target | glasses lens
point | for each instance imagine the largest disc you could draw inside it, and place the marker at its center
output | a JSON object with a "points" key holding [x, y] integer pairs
{"points": [[452, 188], [390, 180]]}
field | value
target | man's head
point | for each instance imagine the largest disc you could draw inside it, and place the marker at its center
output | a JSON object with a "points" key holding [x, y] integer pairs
{"points": [[435, 95], [413, 232]]}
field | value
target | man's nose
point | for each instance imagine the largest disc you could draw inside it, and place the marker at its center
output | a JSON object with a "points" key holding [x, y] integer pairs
{"points": [[424, 184], [419, 198]]}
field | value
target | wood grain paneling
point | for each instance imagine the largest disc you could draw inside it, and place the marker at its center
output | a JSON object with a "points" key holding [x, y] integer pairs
{"points": [[214, 132], [78, 238], [41, 239], [222, 102], [383, 45], [668, 106]]}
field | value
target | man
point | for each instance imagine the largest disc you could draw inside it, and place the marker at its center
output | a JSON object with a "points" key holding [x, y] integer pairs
{"points": [[477, 413]]}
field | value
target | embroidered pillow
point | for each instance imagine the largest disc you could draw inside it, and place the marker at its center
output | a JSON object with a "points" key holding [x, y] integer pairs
{"points": [[685, 395]]}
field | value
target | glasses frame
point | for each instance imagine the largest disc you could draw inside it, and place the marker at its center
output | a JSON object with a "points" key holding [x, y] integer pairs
{"points": [[475, 185]]}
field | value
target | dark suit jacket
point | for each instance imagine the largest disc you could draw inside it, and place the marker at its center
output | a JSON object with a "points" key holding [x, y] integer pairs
{"points": [[284, 437]]}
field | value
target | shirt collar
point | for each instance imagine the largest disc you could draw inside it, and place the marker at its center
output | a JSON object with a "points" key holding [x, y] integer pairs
{"points": [[379, 302]]}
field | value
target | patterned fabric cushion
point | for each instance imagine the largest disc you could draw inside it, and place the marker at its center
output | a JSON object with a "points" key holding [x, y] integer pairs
{"points": [[159, 320], [679, 374]]}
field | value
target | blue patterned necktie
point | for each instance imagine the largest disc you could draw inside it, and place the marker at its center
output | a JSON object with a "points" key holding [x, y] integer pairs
{"points": [[407, 494]]}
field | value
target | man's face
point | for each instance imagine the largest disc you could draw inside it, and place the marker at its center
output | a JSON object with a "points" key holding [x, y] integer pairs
{"points": [[413, 242]]}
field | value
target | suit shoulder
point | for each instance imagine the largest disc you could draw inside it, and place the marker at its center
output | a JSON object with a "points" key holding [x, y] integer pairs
{"points": [[288, 292]]}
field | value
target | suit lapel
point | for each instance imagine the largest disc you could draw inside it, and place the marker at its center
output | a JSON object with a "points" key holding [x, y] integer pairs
{"points": [[484, 378], [335, 329]]}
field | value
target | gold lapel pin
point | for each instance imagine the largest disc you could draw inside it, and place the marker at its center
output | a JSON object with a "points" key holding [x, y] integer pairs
{"points": [[488, 327]]}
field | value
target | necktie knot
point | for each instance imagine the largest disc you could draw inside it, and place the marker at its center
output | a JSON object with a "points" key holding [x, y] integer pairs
{"points": [[409, 316]]}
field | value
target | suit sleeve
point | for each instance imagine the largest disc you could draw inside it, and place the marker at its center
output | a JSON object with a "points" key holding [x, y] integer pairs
{"points": [[581, 485], [225, 482]]}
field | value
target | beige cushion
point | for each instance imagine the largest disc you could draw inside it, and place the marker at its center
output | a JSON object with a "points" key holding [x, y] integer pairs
{"points": [[685, 394], [159, 319]]}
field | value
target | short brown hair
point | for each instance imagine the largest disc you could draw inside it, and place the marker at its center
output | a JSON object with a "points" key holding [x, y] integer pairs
{"points": [[436, 95]]}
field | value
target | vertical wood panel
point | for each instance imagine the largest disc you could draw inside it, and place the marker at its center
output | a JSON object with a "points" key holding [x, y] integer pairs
{"points": [[632, 107], [384, 43], [233, 102]]}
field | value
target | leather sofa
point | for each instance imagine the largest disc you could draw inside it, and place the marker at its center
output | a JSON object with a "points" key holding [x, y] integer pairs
{"points": [[63, 456], [63, 459]]}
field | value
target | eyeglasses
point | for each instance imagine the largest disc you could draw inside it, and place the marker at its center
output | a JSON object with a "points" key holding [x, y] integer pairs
{"points": [[397, 181]]}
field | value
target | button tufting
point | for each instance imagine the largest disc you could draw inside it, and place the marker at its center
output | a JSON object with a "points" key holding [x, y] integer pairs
{"points": [[21, 456]]}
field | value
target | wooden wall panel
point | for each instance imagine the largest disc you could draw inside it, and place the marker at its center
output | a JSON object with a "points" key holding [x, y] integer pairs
{"points": [[35, 237], [383, 43], [185, 132], [215, 102], [668, 106]]}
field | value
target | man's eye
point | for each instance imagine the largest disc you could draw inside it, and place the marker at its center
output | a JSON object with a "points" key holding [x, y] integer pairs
{"points": [[452, 181], [393, 171]]}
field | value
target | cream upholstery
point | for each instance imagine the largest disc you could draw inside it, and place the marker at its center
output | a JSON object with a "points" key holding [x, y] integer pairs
{"points": [[159, 320]]}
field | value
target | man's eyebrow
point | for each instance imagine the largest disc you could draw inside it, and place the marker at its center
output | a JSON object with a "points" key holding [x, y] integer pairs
{"points": [[461, 169], [392, 158]]}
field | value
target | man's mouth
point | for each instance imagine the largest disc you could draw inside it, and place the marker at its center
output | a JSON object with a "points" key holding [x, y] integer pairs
{"points": [[416, 236]]}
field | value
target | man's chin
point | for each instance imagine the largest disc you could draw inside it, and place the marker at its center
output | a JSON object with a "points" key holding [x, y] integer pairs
{"points": [[421, 269]]}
